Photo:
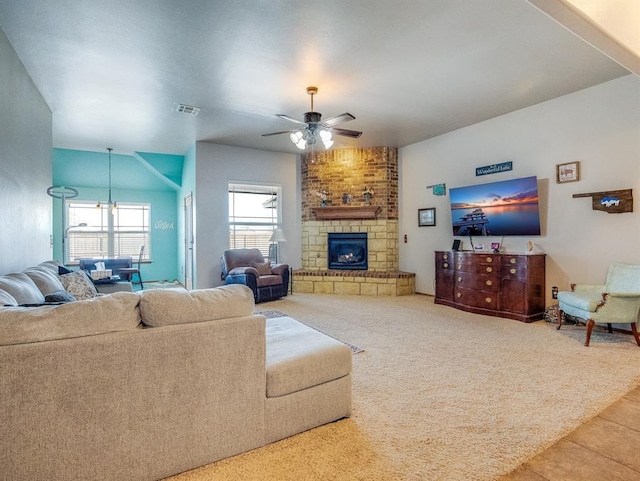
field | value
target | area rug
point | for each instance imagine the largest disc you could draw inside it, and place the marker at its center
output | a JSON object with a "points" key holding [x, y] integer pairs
{"points": [[272, 314], [440, 394]]}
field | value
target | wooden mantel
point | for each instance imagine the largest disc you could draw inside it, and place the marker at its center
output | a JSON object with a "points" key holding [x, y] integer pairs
{"points": [[337, 213]]}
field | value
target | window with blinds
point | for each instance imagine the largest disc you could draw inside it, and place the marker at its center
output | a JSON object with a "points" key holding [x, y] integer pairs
{"points": [[107, 234], [254, 213]]}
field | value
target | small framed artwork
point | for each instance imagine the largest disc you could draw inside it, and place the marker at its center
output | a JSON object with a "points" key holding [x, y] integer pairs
{"points": [[427, 217], [495, 247], [569, 172]]}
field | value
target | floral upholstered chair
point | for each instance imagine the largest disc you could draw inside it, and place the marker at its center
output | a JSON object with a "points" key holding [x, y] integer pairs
{"points": [[617, 301]]}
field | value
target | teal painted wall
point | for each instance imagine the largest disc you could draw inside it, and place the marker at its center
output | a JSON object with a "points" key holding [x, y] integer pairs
{"points": [[131, 181]]}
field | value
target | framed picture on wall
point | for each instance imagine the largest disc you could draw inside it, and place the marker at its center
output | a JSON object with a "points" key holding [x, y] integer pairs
{"points": [[569, 172], [427, 217]]}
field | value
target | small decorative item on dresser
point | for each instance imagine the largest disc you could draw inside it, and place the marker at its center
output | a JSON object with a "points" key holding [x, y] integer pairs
{"points": [[427, 217]]}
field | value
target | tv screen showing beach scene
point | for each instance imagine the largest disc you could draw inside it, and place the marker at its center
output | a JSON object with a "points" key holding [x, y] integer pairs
{"points": [[505, 208]]}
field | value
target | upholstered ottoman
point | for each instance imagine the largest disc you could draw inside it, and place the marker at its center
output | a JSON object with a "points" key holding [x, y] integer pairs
{"points": [[308, 378]]}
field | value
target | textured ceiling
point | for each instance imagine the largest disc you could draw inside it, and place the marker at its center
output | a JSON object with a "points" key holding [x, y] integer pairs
{"points": [[114, 71]]}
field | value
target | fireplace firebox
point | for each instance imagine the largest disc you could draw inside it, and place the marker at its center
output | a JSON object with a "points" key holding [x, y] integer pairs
{"points": [[348, 251]]}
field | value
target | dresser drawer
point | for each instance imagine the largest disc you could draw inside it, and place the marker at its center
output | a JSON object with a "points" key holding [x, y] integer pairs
{"points": [[481, 282], [476, 298], [514, 260], [488, 269], [513, 271]]}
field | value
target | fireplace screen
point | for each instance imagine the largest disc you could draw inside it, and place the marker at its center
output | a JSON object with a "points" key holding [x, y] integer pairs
{"points": [[348, 251]]}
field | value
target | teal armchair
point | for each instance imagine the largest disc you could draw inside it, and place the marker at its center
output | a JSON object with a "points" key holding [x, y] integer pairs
{"points": [[617, 301]]}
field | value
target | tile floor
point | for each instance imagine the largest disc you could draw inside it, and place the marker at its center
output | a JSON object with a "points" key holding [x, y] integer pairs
{"points": [[603, 449]]}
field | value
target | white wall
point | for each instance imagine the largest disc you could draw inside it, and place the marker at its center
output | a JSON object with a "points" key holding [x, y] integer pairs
{"points": [[216, 166], [599, 126], [25, 166]]}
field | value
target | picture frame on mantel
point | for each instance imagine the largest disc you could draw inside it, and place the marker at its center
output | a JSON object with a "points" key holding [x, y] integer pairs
{"points": [[427, 217], [569, 172]]}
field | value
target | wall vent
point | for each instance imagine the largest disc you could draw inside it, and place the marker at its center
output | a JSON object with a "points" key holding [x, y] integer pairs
{"points": [[187, 109]]}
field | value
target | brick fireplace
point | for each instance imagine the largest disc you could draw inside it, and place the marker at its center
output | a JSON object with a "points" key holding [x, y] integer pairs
{"points": [[342, 176]]}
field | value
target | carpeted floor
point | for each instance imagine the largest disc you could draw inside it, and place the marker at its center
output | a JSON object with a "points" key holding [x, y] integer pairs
{"points": [[440, 394]]}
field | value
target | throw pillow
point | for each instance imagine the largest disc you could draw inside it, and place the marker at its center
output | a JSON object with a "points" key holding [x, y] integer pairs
{"points": [[263, 268], [62, 270], [78, 284], [59, 296]]}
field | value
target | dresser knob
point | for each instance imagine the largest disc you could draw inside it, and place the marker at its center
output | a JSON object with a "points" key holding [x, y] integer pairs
{"points": [[458, 294], [488, 283], [489, 269], [488, 299], [513, 271], [459, 279], [445, 257], [489, 259], [446, 264], [512, 260]]}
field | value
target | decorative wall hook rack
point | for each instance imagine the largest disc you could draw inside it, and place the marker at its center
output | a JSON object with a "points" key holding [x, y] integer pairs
{"points": [[611, 201]]}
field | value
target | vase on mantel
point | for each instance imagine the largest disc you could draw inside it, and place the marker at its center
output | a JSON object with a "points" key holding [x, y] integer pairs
{"points": [[323, 203], [367, 198]]}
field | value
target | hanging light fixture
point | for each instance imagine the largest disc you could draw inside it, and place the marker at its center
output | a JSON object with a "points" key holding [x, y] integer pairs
{"points": [[110, 204]]}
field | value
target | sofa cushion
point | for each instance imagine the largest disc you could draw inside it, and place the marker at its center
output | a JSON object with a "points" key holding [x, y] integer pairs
{"points": [[78, 284], [263, 268], [162, 307], [299, 357], [45, 278], [22, 288], [7, 299], [116, 312]]}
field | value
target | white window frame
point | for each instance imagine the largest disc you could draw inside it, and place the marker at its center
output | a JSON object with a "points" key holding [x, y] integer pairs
{"points": [[254, 231], [103, 229]]}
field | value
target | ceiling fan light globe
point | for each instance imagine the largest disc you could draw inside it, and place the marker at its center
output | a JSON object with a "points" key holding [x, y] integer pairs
{"points": [[325, 135], [301, 144], [295, 136], [327, 143]]}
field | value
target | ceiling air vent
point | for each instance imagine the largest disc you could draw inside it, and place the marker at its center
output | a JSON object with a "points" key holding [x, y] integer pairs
{"points": [[188, 109]]}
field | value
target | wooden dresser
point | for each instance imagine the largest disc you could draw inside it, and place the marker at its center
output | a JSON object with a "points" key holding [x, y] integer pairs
{"points": [[503, 285]]}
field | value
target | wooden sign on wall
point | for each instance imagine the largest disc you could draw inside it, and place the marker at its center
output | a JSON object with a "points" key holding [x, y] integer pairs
{"points": [[612, 201]]}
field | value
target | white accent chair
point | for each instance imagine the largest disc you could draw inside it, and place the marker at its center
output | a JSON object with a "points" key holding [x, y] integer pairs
{"points": [[617, 301]]}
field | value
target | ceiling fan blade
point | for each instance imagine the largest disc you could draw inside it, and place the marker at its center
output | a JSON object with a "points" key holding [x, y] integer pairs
{"points": [[347, 133], [278, 133], [338, 119], [291, 119]]}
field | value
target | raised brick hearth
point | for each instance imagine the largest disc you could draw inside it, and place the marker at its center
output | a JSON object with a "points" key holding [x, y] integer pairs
{"points": [[343, 174], [355, 282]]}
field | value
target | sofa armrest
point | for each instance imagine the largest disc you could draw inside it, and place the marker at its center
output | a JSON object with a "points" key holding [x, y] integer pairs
{"points": [[279, 269], [589, 289]]}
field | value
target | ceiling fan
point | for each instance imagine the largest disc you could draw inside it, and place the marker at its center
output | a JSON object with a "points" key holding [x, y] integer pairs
{"points": [[314, 127]]}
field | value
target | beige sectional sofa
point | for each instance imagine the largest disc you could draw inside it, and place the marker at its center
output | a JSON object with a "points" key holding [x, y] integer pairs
{"points": [[140, 386]]}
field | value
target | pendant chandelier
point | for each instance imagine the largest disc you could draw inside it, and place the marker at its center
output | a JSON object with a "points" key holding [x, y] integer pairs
{"points": [[112, 205]]}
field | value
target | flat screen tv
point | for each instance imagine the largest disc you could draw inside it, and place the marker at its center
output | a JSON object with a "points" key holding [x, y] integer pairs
{"points": [[505, 208]]}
